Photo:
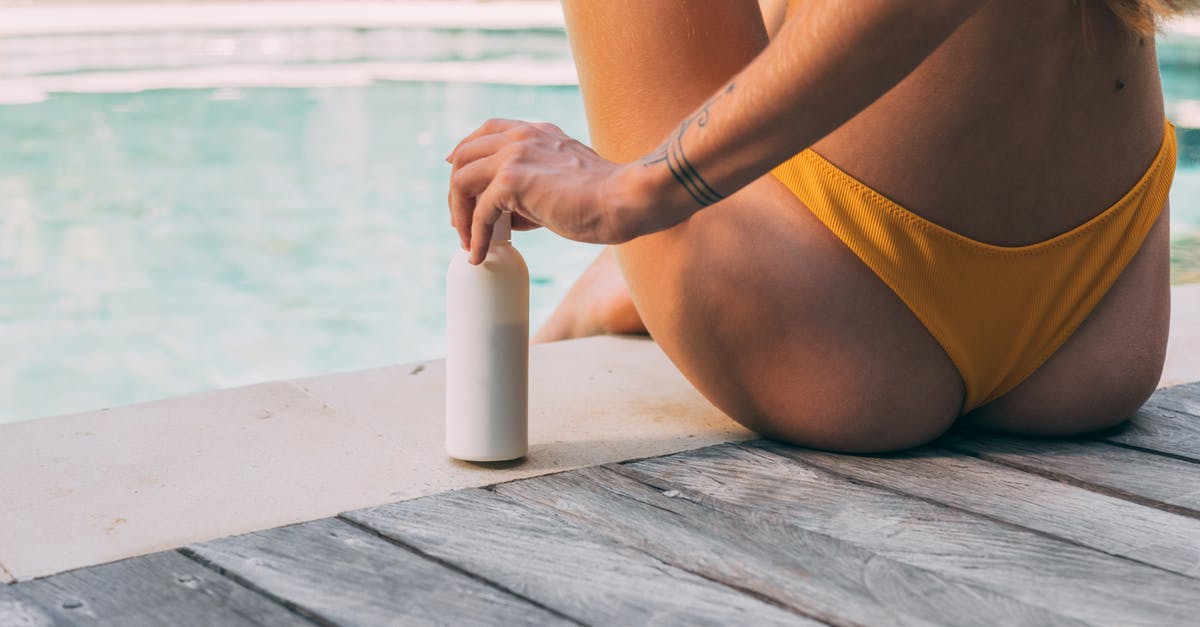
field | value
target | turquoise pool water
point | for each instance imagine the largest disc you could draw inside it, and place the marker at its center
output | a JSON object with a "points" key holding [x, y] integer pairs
{"points": [[170, 241], [161, 243]]}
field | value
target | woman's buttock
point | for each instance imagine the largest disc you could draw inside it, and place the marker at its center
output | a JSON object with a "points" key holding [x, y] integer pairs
{"points": [[772, 318]]}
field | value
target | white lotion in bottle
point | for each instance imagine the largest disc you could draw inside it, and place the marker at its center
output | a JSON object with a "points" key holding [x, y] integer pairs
{"points": [[487, 353]]}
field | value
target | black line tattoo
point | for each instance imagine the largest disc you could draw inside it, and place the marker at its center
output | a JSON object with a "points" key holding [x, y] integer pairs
{"points": [[677, 162]]}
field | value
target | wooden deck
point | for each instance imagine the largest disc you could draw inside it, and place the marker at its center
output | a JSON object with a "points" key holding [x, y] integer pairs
{"points": [[975, 530]]}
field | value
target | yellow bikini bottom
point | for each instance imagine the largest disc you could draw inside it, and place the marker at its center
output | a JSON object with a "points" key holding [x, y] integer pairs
{"points": [[999, 312]]}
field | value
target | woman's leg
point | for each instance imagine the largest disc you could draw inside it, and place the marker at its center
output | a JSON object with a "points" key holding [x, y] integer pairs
{"points": [[599, 302], [633, 100], [767, 313]]}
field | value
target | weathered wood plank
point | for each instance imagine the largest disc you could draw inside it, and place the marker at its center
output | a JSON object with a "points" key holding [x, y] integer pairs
{"points": [[17, 610], [760, 551], [1168, 423], [335, 572], [158, 589], [1059, 576], [1154, 480], [563, 566], [1102, 522], [1181, 398]]}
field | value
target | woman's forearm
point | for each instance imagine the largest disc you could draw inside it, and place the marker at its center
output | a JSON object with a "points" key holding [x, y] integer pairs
{"points": [[830, 61]]}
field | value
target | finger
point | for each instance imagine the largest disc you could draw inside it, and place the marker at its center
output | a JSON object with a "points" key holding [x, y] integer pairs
{"points": [[548, 128], [490, 127], [486, 145], [496, 199], [483, 223], [466, 184]]}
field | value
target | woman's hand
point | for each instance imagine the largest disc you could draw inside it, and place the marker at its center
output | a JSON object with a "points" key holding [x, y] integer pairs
{"points": [[544, 178]]}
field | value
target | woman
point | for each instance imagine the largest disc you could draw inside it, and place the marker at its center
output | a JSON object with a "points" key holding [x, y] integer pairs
{"points": [[975, 226]]}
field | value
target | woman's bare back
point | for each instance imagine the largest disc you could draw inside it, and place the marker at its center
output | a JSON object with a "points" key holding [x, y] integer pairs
{"points": [[1030, 119]]}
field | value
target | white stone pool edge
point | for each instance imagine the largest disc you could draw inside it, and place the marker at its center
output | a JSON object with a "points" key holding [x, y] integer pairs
{"points": [[136, 17], [34, 89], [124, 19], [68, 18], [94, 487], [99, 486]]}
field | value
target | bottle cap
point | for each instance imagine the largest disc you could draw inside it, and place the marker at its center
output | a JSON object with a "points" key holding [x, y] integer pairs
{"points": [[502, 229]]}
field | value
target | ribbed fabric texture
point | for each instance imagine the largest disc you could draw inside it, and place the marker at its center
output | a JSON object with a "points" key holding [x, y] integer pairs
{"points": [[999, 312]]}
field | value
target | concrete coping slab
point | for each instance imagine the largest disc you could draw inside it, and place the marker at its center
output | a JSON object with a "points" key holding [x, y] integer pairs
{"points": [[94, 487], [1183, 348]]}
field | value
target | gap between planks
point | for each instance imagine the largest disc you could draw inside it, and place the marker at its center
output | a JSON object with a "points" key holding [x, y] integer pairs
{"points": [[1109, 537], [455, 567], [807, 496], [1092, 484], [563, 563], [153, 589], [810, 569], [237, 579], [1152, 451], [346, 575], [1167, 423]]}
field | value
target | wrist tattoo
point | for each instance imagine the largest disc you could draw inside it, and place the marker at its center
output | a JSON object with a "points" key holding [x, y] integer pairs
{"points": [[677, 162]]}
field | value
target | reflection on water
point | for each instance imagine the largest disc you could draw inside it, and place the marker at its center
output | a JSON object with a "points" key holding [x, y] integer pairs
{"points": [[19, 242]]}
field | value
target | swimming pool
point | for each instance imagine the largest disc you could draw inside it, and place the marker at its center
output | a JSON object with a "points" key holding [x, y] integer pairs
{"points": [[1181, 88], [161, 242], [165, 242]]}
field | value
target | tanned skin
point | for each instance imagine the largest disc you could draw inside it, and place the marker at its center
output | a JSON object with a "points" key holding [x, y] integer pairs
{"points": [[1008, 121]]}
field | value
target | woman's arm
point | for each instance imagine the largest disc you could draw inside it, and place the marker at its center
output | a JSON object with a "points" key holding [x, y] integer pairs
{"points": [[830, 61]]}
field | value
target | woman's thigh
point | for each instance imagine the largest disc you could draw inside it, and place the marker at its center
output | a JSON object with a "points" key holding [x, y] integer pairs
{"points": [[759, 305], [645, 65]]}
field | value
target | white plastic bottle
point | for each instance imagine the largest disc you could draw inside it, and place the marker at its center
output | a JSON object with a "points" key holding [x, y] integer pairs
{"points": [[487, 353]]}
